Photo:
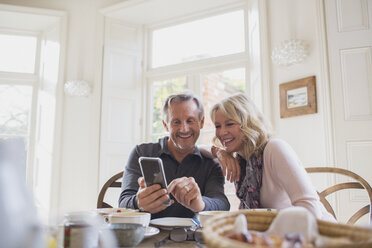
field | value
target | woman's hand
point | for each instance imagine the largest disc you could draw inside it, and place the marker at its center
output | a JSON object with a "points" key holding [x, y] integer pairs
{"points": [[230, 165]]}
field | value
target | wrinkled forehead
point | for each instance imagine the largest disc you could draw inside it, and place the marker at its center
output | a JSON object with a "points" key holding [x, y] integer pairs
{"points": [[183, 110]]}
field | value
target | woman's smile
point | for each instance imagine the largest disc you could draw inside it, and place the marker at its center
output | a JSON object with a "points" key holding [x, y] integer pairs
{"points": [[228, 132], [227, 142]]}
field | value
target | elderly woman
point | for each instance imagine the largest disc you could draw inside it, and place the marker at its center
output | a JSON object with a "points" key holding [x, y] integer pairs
{"points": [[266, 171]]}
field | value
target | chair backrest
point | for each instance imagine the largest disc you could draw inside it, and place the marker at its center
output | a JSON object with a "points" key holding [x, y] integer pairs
{"points": [[111, 183], [359, 184]]}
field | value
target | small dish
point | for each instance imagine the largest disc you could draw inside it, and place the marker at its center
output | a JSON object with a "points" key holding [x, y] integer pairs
{"points": [[168, 223], [151, 231]]}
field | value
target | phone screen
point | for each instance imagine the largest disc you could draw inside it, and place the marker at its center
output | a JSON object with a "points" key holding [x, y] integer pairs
{"points": [[153, 172]]}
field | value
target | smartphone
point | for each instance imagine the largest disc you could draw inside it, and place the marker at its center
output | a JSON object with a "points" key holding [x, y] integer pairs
{"points": [[153, 172]]}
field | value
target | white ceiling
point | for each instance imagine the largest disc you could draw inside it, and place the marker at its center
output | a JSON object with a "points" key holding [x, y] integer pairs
{"points": [[154, 11]]}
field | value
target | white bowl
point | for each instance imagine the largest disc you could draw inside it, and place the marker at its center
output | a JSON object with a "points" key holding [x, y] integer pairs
{"points": [[129, 217], [205, 215], [128, 234]]}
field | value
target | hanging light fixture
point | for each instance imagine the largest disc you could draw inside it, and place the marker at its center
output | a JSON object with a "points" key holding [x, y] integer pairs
{"points": [[293, 50], [77, 88], [290, 52]]}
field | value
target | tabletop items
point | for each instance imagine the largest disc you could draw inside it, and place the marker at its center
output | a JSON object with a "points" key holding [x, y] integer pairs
{"points": [[169, 223], [182, 234], [128, 234], [120, 227], [131, 227], [102, 228], [129, 217], [244, 228], [294, 227], [318, 233], [205, 215], [151, 231], [85, 229]]}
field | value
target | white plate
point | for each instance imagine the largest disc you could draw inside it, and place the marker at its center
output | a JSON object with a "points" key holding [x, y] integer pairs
{"points": [[171, 222], [151, 231]]}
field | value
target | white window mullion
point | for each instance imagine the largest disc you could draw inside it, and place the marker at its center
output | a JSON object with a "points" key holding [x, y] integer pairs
{"points": [[31, 140], [194, 81]]}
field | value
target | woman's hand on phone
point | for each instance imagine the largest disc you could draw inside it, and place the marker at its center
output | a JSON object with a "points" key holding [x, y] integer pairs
{"points": [[151, 199], [187, 192]]}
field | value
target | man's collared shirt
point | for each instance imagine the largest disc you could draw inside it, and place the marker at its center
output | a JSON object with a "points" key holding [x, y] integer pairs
{"points": [[206, 172]]}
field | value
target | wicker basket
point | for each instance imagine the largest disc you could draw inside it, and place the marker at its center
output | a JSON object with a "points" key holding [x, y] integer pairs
{"points": [[216, 228]]}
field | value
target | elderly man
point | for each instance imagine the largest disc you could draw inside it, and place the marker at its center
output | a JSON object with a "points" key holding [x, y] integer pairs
{"points": [[196, 182]]}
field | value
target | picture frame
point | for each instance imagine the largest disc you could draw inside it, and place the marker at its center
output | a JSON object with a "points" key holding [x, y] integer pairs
{"points": [[298, 97]]}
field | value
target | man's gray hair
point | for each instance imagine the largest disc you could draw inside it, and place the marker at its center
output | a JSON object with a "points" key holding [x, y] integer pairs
{"points": [[182, 97]]}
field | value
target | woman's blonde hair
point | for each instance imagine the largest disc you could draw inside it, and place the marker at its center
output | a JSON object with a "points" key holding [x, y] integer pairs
{"points": [[254, 126]]}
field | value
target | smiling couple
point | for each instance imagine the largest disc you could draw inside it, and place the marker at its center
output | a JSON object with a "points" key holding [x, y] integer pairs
{"points": [[266, 171]]}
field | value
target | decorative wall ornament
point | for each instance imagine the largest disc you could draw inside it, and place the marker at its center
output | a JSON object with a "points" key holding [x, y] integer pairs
{"points": [[290, 52], [77, 88]]}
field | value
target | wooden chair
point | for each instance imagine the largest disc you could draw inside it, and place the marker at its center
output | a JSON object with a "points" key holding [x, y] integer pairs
{"points": [[359, 184], [111, 183]]}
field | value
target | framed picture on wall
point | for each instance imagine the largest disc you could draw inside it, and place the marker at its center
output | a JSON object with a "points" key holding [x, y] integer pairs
{"points": [[298, 97]]}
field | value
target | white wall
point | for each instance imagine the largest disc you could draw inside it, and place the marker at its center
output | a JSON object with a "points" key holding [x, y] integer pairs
{"points": [[81, 117], [307, 134]]}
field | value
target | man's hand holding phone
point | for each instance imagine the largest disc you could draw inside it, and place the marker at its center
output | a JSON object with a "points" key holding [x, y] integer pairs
{"points": [[151, 199], [187, 192], [153, 194]]}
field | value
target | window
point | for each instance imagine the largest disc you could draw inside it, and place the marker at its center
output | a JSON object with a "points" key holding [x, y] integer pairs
{"points": [[213, 85], [218, 85], [16, 90], [205, 38], [15, 102], [161, 89], [18, 53]]}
